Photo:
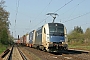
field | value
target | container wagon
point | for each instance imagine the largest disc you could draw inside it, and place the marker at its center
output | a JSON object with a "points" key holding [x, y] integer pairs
{"points": [[24, 39], [21, 40]]}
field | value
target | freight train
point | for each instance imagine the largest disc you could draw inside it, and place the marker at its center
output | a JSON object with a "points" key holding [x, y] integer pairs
{"points": [[51, 37]]}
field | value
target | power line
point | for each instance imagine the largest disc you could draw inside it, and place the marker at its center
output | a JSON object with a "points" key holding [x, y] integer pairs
{"points": [[76, 7], [84, 24], [64, 5], [43, 9], [41, 13], [19, 12], [40, 22], [17, 6], [61, 8], [77, 17], [73, 7]]}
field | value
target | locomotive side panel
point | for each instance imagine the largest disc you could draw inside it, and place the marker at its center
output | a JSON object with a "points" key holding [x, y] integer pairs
{"points": [[39, 37], [27, 39], [32, 38]]}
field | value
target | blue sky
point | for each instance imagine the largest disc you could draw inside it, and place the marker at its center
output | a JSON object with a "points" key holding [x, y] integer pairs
{"points": [[31, 14]]}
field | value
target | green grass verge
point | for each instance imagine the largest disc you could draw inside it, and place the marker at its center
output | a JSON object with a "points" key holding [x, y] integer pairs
{"points": [[2, 48], [87, 47]]}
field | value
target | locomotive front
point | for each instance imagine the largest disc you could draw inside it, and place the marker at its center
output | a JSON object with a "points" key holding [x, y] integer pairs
{"points": [[57, 37]]}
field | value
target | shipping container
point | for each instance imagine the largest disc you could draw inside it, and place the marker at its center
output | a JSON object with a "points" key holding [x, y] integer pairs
{"points": [[24, 39]]}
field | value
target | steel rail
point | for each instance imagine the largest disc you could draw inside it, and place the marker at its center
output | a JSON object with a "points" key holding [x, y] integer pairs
{"points": [[10, 55], [22, 55]]}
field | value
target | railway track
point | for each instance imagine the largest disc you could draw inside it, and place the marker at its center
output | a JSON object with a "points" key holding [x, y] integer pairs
{"points": [[22, 55], [27, 53], [63, 55], [14, 53], [10, 55], [17, 54]]}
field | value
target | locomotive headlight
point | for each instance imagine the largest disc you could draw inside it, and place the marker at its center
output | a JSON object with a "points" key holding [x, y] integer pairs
{"points": [[63, 42]]}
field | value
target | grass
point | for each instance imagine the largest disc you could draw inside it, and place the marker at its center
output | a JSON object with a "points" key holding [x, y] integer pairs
{"points": [[79, 45], [2, 48], [82, 47]]}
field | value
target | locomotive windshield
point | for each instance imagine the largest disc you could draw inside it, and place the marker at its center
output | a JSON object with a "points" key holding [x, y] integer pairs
{"points": [[56, 29]]}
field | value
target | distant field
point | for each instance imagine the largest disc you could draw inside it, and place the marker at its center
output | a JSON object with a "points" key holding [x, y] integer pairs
{"points": [[79, 47], [2, 48]]}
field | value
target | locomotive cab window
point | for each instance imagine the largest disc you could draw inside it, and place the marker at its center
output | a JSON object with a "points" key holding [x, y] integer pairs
{"points": [[56, 29]]}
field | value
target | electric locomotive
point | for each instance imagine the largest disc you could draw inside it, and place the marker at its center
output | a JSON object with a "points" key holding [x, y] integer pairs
{"points": [[51, 37]]}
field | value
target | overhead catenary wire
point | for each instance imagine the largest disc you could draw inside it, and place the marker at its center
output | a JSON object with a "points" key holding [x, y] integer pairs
{"points": [[43, 9], [40, 14], [56, 10], [60, 7], [75, 8], [17, 6], [47, 17], [64, 5], [76, 17], [84, 24], [39, 23], [19, 12]]}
